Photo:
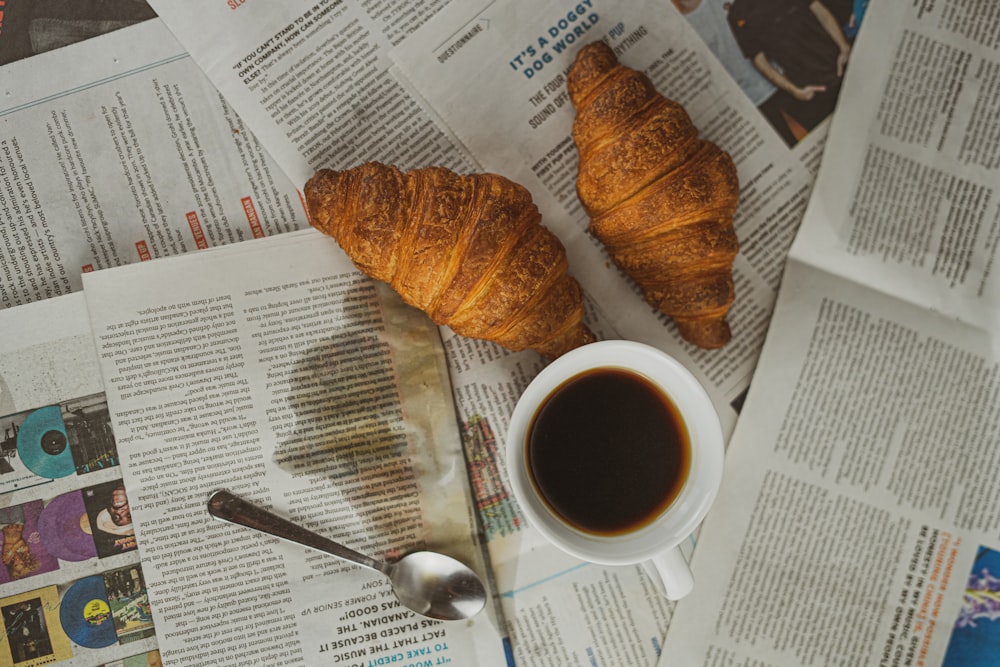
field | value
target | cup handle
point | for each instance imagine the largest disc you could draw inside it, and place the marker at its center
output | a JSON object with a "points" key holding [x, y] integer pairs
{"points": [[671, 573]]}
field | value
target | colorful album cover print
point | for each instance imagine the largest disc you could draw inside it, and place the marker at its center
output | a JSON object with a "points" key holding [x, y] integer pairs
{"points": [[110, 518], [65, 528], [85, 613], [975, 638], [56, 441], [126, 590], [32, 632], [35, 538], [23, 550], [59, 622]]}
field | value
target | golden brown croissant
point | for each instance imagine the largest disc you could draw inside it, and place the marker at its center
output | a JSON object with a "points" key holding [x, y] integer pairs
{"points": [[660, 199], [467, 250]]}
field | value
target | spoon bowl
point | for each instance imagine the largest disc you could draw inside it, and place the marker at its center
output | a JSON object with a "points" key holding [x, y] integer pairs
{"points": [[437, 586], [426, 582]]}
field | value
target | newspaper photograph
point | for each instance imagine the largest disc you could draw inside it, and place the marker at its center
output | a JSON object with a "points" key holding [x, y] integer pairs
{"points": [[72, 587]]}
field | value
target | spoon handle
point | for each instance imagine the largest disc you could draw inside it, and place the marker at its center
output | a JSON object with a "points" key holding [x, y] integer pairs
{"points": [[225, 506]]}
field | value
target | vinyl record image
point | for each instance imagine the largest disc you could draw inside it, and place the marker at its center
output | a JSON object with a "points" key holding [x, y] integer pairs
{"points": [[43, 444], [85, 614], [65, 528]]}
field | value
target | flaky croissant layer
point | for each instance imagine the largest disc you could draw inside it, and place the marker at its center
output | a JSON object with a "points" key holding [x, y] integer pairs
{"points": [[660, 199], [470, 251]]}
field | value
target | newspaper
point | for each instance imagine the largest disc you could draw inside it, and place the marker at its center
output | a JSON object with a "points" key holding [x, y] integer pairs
{"points": [[123, 146], [496, 73], [29, 27], [72, 588], [118, 150], [313, 81], [297, 119], [857, 523], [276, 370]]}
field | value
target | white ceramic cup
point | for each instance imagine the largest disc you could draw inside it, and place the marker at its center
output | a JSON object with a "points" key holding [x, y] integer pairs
{"points": [[657, 542]]}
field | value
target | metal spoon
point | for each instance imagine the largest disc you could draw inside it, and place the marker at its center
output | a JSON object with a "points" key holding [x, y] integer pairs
{"points": [[429, 583]]}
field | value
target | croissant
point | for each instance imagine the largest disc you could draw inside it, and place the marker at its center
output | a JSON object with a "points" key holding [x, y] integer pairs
{"points": [[660, 199], [470, 251]]}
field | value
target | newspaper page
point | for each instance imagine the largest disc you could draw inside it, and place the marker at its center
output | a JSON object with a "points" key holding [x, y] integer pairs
{"points": [[496, 74], [276, 370], [72, 589], [857, 523], [311, 78], [117, 149], [919, 201]]}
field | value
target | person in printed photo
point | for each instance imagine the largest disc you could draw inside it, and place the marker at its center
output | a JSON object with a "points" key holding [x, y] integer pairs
{"points": [[708, 18], [799, 46]]}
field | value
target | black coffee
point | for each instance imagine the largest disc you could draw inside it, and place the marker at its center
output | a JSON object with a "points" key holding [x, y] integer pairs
{"points": [[608, 451]]}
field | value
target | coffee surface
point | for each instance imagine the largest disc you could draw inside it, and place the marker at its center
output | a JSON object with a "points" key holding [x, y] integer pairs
{"points": [[608, 451]]}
